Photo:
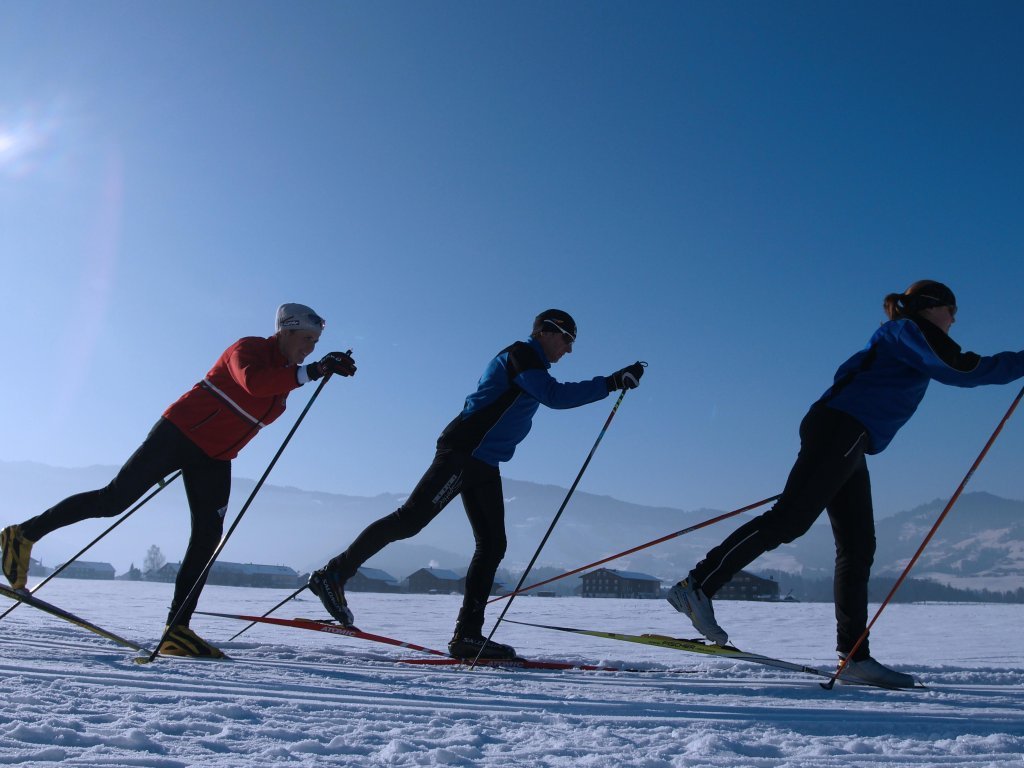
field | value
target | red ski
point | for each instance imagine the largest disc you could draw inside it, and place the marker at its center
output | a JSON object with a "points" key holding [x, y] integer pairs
{"points": [[439, 658]]}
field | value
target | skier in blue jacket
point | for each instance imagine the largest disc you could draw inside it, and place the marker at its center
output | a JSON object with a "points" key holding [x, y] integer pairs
{"points": [[494, 420], [875, 393]]}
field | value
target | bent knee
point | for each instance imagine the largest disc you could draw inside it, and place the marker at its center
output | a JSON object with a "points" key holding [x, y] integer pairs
{"points": [[853, 557], [786, 533], [210, 524], [405, 526], [493, 551]]}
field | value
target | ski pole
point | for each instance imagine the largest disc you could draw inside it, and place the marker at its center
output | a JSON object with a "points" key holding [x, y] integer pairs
{"points": [[238, 519], [665, 538], [252, 624], [551, 527], [161, 484], [949, 505]]}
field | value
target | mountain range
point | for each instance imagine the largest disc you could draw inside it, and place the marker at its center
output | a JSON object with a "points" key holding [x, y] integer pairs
{"points": [[979, 545]]}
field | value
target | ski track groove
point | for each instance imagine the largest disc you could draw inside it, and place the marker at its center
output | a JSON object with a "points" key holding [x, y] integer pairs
{"points": [[215, 685], [75, 700]]}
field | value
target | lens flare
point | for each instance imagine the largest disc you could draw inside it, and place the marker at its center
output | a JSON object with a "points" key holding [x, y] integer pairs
{"points": [[18, 145]]}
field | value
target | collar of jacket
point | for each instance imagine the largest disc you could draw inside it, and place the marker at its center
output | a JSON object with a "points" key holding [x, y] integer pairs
{"points": [[540, 351], [947, 350]]}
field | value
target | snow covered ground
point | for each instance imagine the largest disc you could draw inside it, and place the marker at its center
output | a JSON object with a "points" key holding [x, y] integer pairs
{"points": [[305, 698]]}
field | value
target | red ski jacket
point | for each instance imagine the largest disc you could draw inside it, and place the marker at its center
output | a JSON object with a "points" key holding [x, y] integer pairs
{"points": [[244, 391]]}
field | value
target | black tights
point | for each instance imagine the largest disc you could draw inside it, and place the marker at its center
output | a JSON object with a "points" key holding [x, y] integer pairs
{"points": [[451, 474], [207, 486], [830, 473]]}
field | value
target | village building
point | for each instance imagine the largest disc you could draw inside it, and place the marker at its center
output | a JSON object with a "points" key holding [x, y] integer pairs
{"points": [[85, 569], [607, 582], [435, 581], [236, 575], [747, 586], [371, 580]]}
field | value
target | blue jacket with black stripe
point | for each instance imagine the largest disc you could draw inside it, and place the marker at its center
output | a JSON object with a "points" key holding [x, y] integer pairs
{"points": [[882, 385], [499, 414]]}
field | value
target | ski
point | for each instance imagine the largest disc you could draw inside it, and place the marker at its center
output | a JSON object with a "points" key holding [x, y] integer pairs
{"points": [[60, 613], [330, 628], [438, 658], [710, 649], [516, 663]]}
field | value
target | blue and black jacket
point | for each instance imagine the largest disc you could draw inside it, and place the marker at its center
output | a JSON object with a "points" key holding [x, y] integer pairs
{"points": [[499, 414], [882, 385]]}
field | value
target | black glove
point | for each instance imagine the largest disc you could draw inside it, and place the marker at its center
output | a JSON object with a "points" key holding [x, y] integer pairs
{"points": [[340, 363], [627, 378]]}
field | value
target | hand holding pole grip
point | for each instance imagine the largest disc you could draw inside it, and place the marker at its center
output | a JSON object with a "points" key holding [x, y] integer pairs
{"points": [[340, 363], [626, 378]]}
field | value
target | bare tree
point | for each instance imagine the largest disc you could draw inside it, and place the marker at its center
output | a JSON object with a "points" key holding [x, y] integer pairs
{"points": [[154, 560]]}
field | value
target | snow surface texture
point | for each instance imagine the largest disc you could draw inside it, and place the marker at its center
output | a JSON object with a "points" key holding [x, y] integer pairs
{"points": [[299, 698]]}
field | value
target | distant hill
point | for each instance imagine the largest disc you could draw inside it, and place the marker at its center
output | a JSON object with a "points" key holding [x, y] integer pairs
{"points": [[980, 545]]}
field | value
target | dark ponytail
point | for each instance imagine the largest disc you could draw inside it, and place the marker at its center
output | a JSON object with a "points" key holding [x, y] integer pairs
{"points": [[891, 305]]}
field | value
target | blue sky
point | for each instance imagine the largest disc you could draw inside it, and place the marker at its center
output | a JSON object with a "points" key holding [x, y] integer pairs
{"points": [[725, 190]]}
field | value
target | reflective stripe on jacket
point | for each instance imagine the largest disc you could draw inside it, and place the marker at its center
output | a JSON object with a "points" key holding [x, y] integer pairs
{"points": [[244, 391]]}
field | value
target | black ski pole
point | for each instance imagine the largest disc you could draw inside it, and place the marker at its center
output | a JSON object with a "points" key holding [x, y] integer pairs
{"points": [[551, 527], [949, 505], [252, 624], [160, 486], [238, 519]]}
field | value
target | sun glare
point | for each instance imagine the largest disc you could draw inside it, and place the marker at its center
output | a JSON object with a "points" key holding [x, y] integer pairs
{"points": [[13, 149], [18, 144]]}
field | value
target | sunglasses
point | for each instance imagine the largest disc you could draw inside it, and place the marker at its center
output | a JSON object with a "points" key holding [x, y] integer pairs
{"points": [[568, 337], [313, 318], [930, 302]]}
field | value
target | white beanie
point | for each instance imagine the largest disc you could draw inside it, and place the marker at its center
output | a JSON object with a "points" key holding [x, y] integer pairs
{"points": [[298, 317]]}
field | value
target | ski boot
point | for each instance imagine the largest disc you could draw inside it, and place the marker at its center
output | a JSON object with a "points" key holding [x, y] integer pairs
{"points": [[872, 672], [687, 598], [179, 640], [16, 551], [468, 646], [330, 588]]}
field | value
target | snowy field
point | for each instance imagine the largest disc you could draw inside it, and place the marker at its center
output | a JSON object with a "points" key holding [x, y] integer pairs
{"points": [[299, 698]]}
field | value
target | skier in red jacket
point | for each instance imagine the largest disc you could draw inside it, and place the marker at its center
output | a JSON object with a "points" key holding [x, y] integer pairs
{"points": [[199, 434]]}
